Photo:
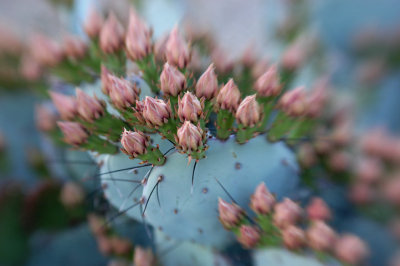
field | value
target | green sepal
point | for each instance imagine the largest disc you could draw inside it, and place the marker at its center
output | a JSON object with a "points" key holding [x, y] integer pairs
{"points": [[280, 127], [107, 125], [244, 133], [151, 72], [102, 146], [153, 156], [225, 120]]}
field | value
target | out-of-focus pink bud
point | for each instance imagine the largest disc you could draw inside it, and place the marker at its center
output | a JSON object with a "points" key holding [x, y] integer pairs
{"points": [[339, 161], [293, 102], [249, 56], [111, 35], [67, 106], [172, 80], [391, 189], [72, 194], [342, 133], [318, 210], [317, 99], [260, 68], [293, 237], [189, 108], [160, 47], [373, 141], [228, 97], [177, 50], [295, 55], [156, 112], [123, 93], [74, 47], [96, 224], [190, 137], [89, 108], [268, 84], [306, 155], [369, 170], [93, 24], [262, 201], [30, 69], [143, 257], [134, 143], [105, 81], [45, 51], [120, 246], [45, 118], [229, 214], [104, 245], [286, 213], [74, 133], [223, 63], [248, 112], [361, 193], [207, 85], [138, 38], [320, 236], [351, 249], [248, 236]]}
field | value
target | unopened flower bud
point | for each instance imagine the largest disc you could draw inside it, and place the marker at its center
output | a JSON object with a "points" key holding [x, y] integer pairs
{"points": [[229, 214], [134, 143], [30, 69], [262, 201], [317, 100], [46, 51], [104, 245], [45, 118], [189, 108], [143, 257], [160, 47], [89, 108], [172, 80], [190, 137], [156, 112], [223, 63], [293, 237], [122, 92], [293, 102], [351, 249], [294, 55], [248, 112], [228, 97], [111, 35], [286, 213], [138, 38], [268, 84], [74, 133], [74, 47], [67, 106], [120, 246], [93, 23], [369, 170], [72, 194], [207, 85], [105, 80], [318, 210], [177, 50], [361, 193], [320, 236], [248, 236], [339, 161]]}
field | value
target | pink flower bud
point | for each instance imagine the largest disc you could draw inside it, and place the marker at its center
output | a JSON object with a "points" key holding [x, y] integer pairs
{"points": [[391, 189], [74, 133], [72, 194], [105, 81], [96, 224], [320, 236], [229, 214], [369, 170], [89, 108], [104, 245], [120, 246], [190, 137], [262, 201], [339, 161], [318, 210], [45, 51], [286, 213], [248, 236], [155, 111], [160, 47], [293, 237], [260, 68], [74, 47], [207, 85], [172, 80], [134, 143], [351, 249], [342, 133], [295, 55], [293, 102], [223, 63], [361, 193], [138, 38], [111, 35], [268, 84], [45, 118], [143, 257], [248, 112], [177, 50], [122, 92], [67, 106], [317, 100], [228, 97], [189, 108], [30, 69], [93, 23]]}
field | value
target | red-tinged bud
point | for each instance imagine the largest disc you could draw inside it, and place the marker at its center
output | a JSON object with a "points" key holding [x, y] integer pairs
{"points": [[72, 194], [207, 85], [177, 50], [89, 108], [361, 193], [391, 189], [74, 133], [318, 210], [293, 102], [306, 155], [189, 108], [286, 213], [67, 106], [111, 35], [143, 257], [295, 55], [293, 237], [93, 23], [248, 236], [160, 47], [229, 214], [248, 112], [105, 81], [120, 246], [122, 92], [138, 38], [96, 224], [190, 137], [317, 100], [104, 245], [228, 97], [339, 161], [373, 141], [262, 201], [369, 170], [320, 236], [134, 143], [222, 62], [74, 47], [45, 51], [45, 118], [268, 84], [30, 69], [156, 112], [172, 80], [351, 249]]}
